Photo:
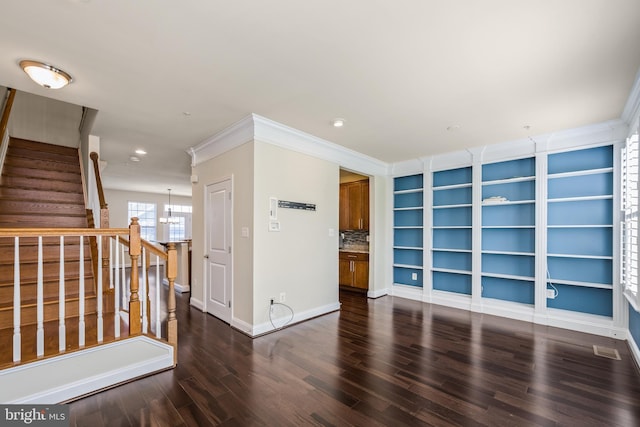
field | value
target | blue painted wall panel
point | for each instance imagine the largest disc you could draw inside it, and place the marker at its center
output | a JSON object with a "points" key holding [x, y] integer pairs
{"points": [[508, 290], [585, 300], [451, 282]]}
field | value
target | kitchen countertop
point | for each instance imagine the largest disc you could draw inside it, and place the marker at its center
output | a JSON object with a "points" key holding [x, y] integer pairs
{"points": [[357, 250]]}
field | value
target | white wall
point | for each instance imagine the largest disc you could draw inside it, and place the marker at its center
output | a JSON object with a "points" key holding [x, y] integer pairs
{"points": [[301, 260], [238, 164]]}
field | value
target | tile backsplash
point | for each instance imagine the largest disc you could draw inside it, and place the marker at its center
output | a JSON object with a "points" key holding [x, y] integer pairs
{"points": [[355, 239]]}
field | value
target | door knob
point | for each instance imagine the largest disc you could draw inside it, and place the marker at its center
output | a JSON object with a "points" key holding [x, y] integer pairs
{"points": [[206, 256]]}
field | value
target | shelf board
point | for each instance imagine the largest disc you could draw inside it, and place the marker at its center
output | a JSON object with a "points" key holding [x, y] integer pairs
{"points": [[452, 250], [576, 256], [464, 205], [580, 173], [577, 283], [580, 198], [508, 253], [508, 276], [411, 248], [509, 180], [445, 227], [581, 226], [408, 227], [451, 270], [451, 187], [412, 267], [507, 226], [409, 191], [411, 208], [511, 202]]}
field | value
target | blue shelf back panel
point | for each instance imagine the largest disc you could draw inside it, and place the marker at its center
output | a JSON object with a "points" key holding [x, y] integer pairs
{"points": [[509, 215], [508, 239], [451, 282], [516, 265], [581, 212], [452, 177], [452, 196], [408, 256], [510, 169], [410, 182], [452, 217], [452, 260], [585, 300], [580, 269], [580, 241], [600, 184], [403, 276], [408, 237], [634, 324], [525, 190], [590, 158], [457, 238], [408, 200], [408, 218], [508, 290]]}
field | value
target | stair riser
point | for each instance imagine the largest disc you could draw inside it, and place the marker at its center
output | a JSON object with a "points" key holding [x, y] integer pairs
{"points": [[43, 196], [19, 207], [28, 292], [51, 271], [30, 172], [49, 253], [41, 184], [50, 165], [28, 315]]}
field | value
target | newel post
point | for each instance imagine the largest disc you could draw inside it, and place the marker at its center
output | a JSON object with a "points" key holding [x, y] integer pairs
{"points": [[172, 270], [135, 327]]}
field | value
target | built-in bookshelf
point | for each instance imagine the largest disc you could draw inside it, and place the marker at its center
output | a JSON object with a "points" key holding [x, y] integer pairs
{"points": [[508, 230], [408, 227], [580, 230], [452, 230]]}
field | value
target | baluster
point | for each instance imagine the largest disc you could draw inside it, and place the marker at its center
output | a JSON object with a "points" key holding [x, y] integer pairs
{"points": [[62, 331], [158, 279], [143, 291], [172, 321], [134, 300], [123, 271], [81, 324], [40, 303], [116, 288], [17, 338], [100, 324]]}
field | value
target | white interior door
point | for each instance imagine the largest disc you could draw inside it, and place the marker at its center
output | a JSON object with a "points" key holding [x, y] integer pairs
{"points": [[218, 252]]}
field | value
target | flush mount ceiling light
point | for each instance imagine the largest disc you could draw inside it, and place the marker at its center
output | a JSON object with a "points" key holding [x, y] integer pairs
{"points": [[338, 123], [46, 75], [141, 152]]}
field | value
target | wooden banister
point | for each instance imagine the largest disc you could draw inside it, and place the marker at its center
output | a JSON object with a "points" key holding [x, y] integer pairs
{"points": [[135, 248], [4, 122], [96, 169], [172, 321]]}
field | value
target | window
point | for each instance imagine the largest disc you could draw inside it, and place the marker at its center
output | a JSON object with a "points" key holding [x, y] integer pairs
{"points": [[146, 214], [178, 231], [630, 221]]}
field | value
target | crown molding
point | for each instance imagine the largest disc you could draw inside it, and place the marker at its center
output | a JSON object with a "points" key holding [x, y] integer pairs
{"points": [[631, 110], [257, 128]]}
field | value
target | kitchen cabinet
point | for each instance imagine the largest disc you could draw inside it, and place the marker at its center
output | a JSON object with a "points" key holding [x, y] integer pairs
{"points": [[354, 205], [354, 269]]}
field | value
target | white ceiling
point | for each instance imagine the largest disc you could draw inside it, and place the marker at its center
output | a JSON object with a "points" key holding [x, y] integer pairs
{"points": [[400, 72]]}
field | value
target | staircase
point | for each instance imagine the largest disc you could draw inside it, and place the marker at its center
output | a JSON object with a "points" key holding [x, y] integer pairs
{"points": [[41, 187]]}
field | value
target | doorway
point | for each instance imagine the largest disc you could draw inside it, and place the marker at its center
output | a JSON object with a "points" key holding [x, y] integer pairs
{"points": [[218, 252]]}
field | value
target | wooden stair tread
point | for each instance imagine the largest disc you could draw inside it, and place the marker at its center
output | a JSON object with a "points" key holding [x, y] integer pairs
{"points": [[16, 161]]}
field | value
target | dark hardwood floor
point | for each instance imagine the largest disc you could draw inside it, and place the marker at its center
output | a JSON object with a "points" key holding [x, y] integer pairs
{"points": [[384, 362]]}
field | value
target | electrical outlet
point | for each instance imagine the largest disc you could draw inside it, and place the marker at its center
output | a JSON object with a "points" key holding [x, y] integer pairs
{"points": [[414, 276], [283, 297], [551, 294]]}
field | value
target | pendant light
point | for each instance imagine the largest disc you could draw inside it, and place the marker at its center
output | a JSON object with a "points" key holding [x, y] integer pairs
{"points": [[169, 219]]}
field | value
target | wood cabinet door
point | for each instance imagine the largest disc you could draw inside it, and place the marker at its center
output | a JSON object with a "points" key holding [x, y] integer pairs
{"points": [[361, 274], [364, 188], [346, 275]]}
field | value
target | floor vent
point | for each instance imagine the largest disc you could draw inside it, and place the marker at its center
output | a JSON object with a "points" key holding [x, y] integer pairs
{"points": [[609, 353]]}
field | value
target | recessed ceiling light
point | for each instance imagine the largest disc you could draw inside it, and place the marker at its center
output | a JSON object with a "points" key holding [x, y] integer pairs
{"points": [[186, 113], [134, 159], [338, 123], [141, 151], [526, 127], [453, 128], [46, 75]]}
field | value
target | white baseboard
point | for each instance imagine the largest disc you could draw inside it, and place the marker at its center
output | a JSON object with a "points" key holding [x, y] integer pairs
{"points": [[68, 376], [377, 294], [635, 351], [409, 292], [196, 303], [266, 327], [177, 286]]}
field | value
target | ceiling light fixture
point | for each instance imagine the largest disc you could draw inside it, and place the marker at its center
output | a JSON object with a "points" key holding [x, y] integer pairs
{"points": [[141, 151], [134, 159], [338, 123], [46, 75], [169, 219], [453, 128]]}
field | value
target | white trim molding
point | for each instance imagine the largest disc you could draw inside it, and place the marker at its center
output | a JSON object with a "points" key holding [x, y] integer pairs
{"points": [[266, 327]]}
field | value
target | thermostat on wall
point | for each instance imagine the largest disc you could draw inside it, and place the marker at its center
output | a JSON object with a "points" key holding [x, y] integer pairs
{"points": [[274, 226]]}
